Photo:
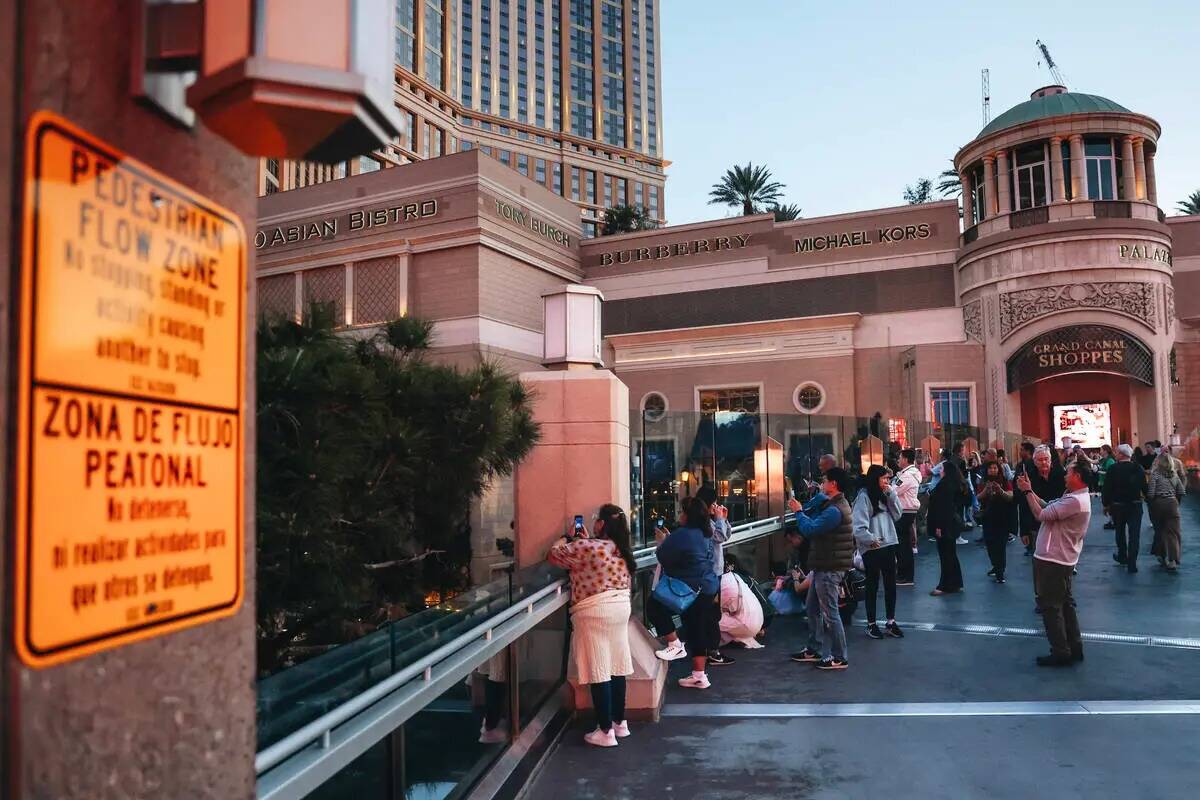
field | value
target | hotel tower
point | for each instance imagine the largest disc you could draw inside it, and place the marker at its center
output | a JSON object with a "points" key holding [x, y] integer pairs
{"points": [[565, 92]]}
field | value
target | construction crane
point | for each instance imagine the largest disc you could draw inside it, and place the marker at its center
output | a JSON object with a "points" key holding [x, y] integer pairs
{"points": [[1058, 76], [987, 97]]}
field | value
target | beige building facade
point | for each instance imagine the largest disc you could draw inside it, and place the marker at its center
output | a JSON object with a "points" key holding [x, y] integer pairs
{"points": [[1067, 286]]}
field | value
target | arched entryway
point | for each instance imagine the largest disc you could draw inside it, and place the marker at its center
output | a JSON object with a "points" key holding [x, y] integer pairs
{"points": [[1084, 383]]}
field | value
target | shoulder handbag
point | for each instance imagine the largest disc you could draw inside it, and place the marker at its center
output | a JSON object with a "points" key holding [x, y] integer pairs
{"points": [[674, 594]]}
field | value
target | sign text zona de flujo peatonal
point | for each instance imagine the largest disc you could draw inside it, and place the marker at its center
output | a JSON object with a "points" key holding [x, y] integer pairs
{"points": [[130, 444]]}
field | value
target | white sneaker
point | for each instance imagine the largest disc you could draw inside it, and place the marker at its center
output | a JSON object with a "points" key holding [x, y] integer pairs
{"points": [[960, 540], [497, 735], [692, 682], [601, 738], [672, 652], [621, 729]]}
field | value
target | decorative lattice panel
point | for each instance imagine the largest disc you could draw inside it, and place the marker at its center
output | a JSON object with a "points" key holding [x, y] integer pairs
{"points": [[376, 291], [1082, 348], [327, 286], [277, 296]]}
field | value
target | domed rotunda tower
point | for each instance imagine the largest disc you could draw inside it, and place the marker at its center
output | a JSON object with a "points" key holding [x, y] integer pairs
{"points": [[1065, 269]]}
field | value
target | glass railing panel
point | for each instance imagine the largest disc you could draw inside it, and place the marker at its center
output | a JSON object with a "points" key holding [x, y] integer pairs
{"points": [[296, 696], [542, 658], [661, 450], [368, 777], [440, 747]]}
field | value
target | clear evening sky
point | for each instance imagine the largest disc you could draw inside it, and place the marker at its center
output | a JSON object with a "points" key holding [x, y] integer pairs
{"points": [[848, 101]]}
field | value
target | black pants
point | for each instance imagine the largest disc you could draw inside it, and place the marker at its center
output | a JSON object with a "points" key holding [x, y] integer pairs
{"points": [[608, 699], [1052, 583], [951, 579], [1127, 519], [905, 563], [495, 694], [702, 624], [881, 562], [660, 617], [996, 538]]}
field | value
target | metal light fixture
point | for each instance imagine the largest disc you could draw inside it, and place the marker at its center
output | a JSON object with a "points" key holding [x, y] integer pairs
{"points": [[301, 79], [571, 327]]}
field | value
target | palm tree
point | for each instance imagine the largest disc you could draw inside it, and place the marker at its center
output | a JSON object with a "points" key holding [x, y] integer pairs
{"points": [[921, 192], [1190, 205], [949, 183], [627, 219], [749, 187], [784, 213]]}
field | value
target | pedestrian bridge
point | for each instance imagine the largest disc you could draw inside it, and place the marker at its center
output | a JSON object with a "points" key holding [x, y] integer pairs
{"points": [[955, 709]]}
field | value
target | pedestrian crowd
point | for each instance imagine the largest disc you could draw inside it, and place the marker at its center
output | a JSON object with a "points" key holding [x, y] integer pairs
{"points": [[850, 537]]}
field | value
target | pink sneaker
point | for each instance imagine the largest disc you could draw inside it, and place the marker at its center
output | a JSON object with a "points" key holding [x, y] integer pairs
{"points": [[695, 682], [621, 729], [496, 735], [601, 738]]}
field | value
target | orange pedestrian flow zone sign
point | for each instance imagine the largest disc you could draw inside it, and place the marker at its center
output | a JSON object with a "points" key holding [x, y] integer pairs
{"points": [[129, 501]]}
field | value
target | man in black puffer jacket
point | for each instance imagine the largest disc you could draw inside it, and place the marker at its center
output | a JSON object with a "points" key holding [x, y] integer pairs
{"points": [[829, 530]]}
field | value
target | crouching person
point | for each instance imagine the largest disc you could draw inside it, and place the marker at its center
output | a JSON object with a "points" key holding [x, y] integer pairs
{"points": [[741, 613]]}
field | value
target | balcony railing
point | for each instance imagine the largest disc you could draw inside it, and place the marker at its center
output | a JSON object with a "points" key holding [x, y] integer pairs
{"points": [[1038, 215], [1062, 212], [1113, 209]]}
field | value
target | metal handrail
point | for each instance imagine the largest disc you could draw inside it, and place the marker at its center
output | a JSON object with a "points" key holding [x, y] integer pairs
{"points": [[644, 556], [321, 727]]}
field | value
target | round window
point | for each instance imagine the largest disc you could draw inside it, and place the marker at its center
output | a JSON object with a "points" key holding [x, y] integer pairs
{"points": [[809, 398], [654, 407]]}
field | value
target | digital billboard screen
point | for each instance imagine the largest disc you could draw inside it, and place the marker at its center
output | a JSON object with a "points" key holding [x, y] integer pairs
{"points": [[1086, 424]]}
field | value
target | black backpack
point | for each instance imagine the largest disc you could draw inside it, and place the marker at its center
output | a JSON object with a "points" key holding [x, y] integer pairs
{"points": [[854, 586], [768, 608]]}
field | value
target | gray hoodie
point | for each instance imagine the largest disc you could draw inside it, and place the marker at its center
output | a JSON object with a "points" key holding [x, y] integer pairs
{"points": [[879, 527]]}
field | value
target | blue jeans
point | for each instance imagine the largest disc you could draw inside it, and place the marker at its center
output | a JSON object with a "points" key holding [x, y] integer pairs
{"points": [[823, 615]]}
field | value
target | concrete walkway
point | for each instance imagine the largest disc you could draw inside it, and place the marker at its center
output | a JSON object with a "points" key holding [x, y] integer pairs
{"points": [[939, 714]]}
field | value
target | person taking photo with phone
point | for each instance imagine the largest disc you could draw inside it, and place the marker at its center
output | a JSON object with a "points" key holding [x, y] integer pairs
{"points": [[1062, 526], [829, 526], [601, 567], [718, 515], [686, 555], [907, 486]]}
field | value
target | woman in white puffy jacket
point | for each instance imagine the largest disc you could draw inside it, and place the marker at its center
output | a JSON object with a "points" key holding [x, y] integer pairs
{"points": [[741, 613]]}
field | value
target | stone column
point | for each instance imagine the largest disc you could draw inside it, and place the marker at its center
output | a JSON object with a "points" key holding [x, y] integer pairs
{"points": [[1128, 185], [989, 188], [1151, 184], [1079, 188], [968, 200], [1058, 187], [1003, 182], [1139, 166]]}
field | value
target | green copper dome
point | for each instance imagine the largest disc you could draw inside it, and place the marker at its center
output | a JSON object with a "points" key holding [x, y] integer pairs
{"points": [[1052, 105]]}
